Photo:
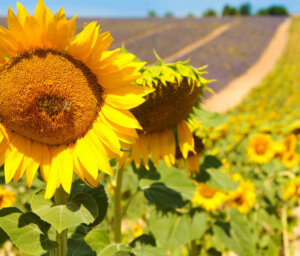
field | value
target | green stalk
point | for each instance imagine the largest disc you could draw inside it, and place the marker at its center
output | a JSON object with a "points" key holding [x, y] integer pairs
{"points": [[61, 197], [118, 206], [286, 246]]}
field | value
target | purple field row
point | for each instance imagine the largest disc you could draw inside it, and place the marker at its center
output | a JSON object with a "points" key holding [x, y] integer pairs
{"points": [[232, 53], [168, 41]]}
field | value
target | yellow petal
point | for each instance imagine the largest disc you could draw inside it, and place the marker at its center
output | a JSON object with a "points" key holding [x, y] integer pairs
{"points": [[65, 162], [124, 101], [82, 44], [99, 153], [34, 162], [22, 14], [54, 178], [120, 116], [86, 157], [107, 136], [45, 162], [185, 139]]}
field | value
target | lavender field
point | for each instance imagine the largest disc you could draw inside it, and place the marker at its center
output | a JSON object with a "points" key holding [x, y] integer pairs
{"points": [[228, 56]]}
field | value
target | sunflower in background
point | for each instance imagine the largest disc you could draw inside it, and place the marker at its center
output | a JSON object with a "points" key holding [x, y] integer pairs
{"points": [[7, 198], [165, 114], [292, 189], [71, 99], [261, 148], [244, 197], [208, 197]]}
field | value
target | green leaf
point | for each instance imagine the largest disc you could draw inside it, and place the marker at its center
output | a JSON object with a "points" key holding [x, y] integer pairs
{"points": [[113, 248], [236, 236], [163, 196], [220, 180], [208, 118], [98, 194], [141, 250], [172, 230], [173, 179], [98, 239], [25, 232], [79, 248], [82, 208], [123, 253]]}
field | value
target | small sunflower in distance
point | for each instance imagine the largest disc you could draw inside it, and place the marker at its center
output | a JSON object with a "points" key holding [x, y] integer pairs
{"points": [[260, 148], [292, 189], [208, 197], [244, 197], [7, 198], [65, 99], [164, 115]]}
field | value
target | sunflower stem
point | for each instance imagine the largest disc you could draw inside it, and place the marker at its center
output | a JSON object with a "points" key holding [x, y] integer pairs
{"points": [[61, 197], [118, 205], [286, 250]]}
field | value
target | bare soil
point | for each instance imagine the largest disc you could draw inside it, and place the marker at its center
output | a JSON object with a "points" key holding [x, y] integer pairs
{"points": [[236, 90]]}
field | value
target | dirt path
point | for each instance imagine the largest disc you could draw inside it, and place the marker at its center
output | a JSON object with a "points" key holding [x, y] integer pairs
{"points": [[197, 44], [234, 93]]}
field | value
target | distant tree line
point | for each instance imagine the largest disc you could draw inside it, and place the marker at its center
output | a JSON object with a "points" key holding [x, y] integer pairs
{"points": [[244, 10]]}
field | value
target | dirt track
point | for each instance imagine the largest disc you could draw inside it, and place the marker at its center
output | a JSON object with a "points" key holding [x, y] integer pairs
{"points": [[234, 93]]}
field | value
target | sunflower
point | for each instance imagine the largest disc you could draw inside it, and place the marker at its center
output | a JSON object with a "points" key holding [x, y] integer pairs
{"points": [[7, 198], [244, 197], [292, 189], [65, 99], [137, 230], [164, 115], [260, 148], [208, 197], [290, 159], [290, 143]]}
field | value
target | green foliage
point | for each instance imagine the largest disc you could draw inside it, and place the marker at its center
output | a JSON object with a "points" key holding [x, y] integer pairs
{"points": [[173, 229], [209, 13], [97, 239], [166, 187], [152, 14], [273, 11], [169, 15], [190, 15], [26, 230], [236, 235], [82, 208], [208, 118], [212, 175], [245, 9], [229, 11]]}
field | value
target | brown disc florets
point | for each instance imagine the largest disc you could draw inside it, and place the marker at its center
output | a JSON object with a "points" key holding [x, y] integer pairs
{"points": [[49, 97], [167, 106]]}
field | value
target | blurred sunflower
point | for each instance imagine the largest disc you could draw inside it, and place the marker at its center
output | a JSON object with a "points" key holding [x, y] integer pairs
{"points": [[70, 99], [290, 159], [208, 197], [7, 198], [260, 148], [137, 230], [292, 189], [165, 114], [244, 197], [290, 143]]}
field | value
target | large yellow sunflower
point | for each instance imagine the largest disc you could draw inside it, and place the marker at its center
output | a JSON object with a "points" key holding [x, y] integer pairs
{"points": [[165, 114], [64, 99]]}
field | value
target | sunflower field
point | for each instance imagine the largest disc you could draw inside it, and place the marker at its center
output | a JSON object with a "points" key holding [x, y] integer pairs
{"points": [[104, 154]]}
